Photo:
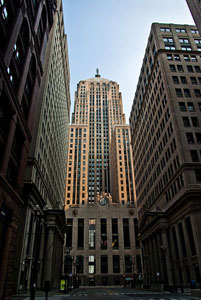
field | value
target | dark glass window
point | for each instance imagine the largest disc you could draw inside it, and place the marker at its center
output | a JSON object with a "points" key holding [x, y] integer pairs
{"points": [[198, 175], [80, 264], [115, 238], [103, 234], [126, 233], [186, 121], [104, 264], [195, 121], [182, 106], [190, 138], [198, 137], [80, 236], [69, 233], [116, 264], [136, 230], [128, 264], [194, 155]]}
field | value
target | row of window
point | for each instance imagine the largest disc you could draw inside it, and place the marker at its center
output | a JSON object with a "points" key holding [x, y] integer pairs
{"points": [[178, 30]]}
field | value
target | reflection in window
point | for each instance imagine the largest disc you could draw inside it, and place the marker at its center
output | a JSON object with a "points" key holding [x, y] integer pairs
{"points": [[92, 264], [92, 233]]}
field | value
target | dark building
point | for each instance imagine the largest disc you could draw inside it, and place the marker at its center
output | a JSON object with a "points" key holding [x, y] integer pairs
{"points": [[195, 8], [165, 123], [24, 30]]}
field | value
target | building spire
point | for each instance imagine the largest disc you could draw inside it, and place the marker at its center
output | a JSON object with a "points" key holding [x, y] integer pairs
{"points": [[97, 73]]}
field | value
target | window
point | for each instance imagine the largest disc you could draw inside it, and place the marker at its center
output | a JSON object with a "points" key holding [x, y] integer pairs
{"points": [[165, 29], [179, 92], [190, 106], [186, 48], [186, 121], [184, 41], [128, 264], [69, 233], [190, 138], [92, 264], [104, 264], [194, 156], [177, 57], [183, 80], [126, 234], [172, 68], [182, 106], [103, 234], [115, 238], [180, 68], [195, 121], [197, 93], [186, 58], [92, 233], [79, 264], [199, 105], [116, 264], [80, 236], [169, 57], [193, 58], [198, 137], [197, 41], [197, 69], [198, 175], [193, 80], [194, 31], [190, 69], [181, 30], [175, 79], [168, 40], [187, 93]]}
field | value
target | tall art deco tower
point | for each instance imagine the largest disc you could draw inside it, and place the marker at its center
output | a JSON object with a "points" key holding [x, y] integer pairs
{"points": [[100, 199]]}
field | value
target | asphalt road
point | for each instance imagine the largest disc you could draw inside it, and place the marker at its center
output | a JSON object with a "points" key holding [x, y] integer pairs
{"points": [[116, 294]]}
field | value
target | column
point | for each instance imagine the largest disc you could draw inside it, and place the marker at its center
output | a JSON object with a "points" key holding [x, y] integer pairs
{"points": [[162, 271], [167, 257], [49, 254]]}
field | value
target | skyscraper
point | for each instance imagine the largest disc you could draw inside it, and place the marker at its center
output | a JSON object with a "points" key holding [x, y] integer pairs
{"points": [[165, 125], [40, 240], [100, 210], [195, 8], [24, 30]]}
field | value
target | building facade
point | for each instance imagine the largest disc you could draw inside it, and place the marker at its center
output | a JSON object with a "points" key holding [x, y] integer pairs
{"points": [[101, 239], [24, 28], [165, 125], [195, 8], [39, 253]]}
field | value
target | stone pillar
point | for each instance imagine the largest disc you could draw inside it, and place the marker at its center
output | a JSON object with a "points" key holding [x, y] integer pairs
{"points": [[161, 263], [180, 251], [156, 259], [167, 257], [151, 261], [49, 254]]}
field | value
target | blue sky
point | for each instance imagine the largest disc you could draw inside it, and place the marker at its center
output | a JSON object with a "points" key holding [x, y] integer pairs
{"points": [[112, 35]]}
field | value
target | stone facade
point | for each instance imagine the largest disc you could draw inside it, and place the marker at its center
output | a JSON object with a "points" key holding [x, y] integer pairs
{"points": [[40, 241], [195, 8], [24, 29], [165, 131], [102, 228]]}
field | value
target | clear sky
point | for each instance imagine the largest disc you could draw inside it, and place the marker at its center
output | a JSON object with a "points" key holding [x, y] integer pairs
{"points": [[112, 35]]}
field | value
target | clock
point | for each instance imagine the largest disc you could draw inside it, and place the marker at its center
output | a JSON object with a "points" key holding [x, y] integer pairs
{"points": [[103, 201]]}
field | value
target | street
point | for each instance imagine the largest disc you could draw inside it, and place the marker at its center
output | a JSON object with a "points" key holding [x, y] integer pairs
{"points": [[115, 293]]}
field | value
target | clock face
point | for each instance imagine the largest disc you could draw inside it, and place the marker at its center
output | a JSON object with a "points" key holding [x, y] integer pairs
{"points": [[103, 201]]}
